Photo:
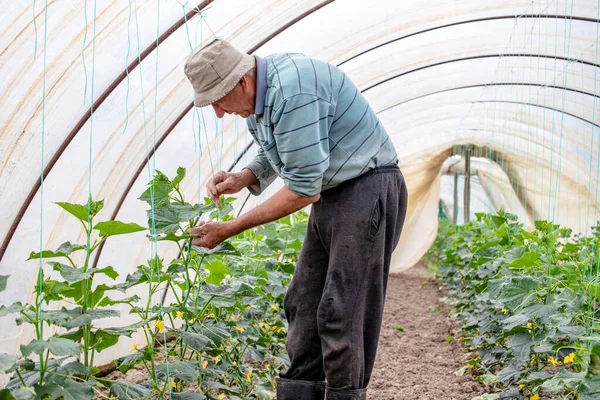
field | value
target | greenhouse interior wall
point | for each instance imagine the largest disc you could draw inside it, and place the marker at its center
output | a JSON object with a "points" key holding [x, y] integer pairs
{"points": [[94, 101]]}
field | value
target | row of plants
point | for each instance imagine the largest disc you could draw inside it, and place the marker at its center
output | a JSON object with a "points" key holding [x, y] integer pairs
{"points": [[528, 304], [220, 333]]}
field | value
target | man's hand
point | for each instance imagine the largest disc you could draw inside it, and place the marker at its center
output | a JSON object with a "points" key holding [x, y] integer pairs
{"points": [[211, 234], [229, 183], [284, 202]]}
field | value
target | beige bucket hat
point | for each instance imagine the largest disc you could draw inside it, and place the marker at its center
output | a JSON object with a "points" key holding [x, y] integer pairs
{"points": [[215, 69]]}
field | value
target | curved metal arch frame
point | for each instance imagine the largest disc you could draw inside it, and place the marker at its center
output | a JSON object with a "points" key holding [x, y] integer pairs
{"points": [[498, 18], [477, 58], [498, 101], [490, 85]]}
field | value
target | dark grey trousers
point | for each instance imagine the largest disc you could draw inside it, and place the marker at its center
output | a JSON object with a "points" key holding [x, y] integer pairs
{"points": [[334, 304]]}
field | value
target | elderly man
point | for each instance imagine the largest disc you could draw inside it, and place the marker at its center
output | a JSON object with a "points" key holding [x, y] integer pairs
{"points": [[316, 131]]}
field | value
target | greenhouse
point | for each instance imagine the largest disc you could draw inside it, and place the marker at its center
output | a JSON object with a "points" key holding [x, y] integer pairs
{"points": [[159, 236]]}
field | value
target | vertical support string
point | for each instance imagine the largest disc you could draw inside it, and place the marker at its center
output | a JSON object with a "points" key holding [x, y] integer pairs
{"points": [[40, 323]]}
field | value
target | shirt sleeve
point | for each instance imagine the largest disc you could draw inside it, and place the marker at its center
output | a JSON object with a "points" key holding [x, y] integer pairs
{"points": [[261, 167], [301, 135]]}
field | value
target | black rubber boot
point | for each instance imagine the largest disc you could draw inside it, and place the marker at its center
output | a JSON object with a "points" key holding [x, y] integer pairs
{"points": [[294, 389], [345, 394]]}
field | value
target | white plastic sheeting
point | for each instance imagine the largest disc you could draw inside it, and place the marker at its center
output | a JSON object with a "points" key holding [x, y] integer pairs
{"points": [[440, 73]]}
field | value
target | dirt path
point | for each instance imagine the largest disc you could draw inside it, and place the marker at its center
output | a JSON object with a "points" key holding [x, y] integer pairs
{"points": [[419, 363]]}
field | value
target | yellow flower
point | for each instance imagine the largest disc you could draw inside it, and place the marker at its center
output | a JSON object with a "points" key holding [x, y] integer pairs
{"points": [[221, 396], [569, 358], [532, 363], [521, 386], [136, 347], [534, 397], [504, 311], [279, 330], [274, 307], [178, 314], [160, 326], [553, 361], [249, 375], [216, 359], [204, 364], [239, 328], [529, 325], [173, 384]]}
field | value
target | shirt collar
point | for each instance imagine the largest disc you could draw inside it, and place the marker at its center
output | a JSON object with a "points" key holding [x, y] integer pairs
{"points": [[261, 85]]}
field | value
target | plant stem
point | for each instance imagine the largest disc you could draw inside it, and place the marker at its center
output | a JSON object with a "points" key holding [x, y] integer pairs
{"points": [[20, 378]]}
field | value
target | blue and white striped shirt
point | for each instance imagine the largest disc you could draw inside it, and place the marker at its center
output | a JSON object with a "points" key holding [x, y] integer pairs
{"points": [[314, 127]]}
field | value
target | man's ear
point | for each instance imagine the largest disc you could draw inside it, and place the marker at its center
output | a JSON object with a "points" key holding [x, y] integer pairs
{"points": [[244, 82]]}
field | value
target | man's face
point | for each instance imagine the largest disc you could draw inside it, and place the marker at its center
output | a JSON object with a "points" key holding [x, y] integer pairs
{"points": [[238, 102]]}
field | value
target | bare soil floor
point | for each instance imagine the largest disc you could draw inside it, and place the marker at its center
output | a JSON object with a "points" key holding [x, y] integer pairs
{"points": [[416, 364], [419, 363]]}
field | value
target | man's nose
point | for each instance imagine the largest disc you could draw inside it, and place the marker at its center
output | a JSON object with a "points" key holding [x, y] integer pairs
{"points": [[218, 110]]}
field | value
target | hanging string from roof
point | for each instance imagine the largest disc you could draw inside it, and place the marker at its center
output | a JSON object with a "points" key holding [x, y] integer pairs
{"points": [[39, 316]]}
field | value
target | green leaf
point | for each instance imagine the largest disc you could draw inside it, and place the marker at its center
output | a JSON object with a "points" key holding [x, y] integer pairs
{"points": [[73, 275], [195, 341], [91, 315], [520, 346], [223, 248], [108, 271], [138, 277], [6, 394], [107, 301], [508, 375], [3, 279], [7, 362], [539, 310], [56, 346], [81, 211], [224, 388], [22, 394], [218, 270], [170, 236], [188, 396], [125, 363], [514, 321], [519, 293], [70, 390], [215, 332], [562, 379], [570, 332], [73, 368], [69, 273], [184, 371], [128, 391], [590, 389], [63, 250], [13, 308], [158, 190], [54, 290], [167, 217], [103, 340], [112, 228], [526, 260], [180, 175]]}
